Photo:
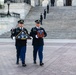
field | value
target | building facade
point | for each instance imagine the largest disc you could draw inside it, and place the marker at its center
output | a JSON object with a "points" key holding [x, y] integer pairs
{"points": [[45, 2], [18, 1]]}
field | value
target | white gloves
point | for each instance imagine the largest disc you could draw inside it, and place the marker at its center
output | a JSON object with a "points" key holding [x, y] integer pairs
{"points": [[36, 36], [13, 38]]}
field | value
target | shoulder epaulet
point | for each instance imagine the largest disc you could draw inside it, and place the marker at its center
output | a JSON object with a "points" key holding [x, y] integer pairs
{"points": [[41, 28]]}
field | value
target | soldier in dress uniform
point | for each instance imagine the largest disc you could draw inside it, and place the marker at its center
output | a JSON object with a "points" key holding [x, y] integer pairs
{"points": [[41, 18], [20, 41], [44, 13], [48, 8], [37, 34]]}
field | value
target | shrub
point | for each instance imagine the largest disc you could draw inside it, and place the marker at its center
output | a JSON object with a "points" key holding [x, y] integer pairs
{"points": [[1, 6]]}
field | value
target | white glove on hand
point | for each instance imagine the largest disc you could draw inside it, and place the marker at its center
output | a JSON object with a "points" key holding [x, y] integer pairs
{"points": [[13, 38], [36, 36]]}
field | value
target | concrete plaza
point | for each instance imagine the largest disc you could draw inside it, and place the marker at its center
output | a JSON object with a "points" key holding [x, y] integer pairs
{"points": [[59, 58]]}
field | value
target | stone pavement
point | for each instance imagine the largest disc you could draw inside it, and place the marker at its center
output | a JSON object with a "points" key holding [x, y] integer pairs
{"points": [[59, 58]]}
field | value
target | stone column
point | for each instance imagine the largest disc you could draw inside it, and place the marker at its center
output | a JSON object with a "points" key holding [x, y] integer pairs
{"points": [[45, 2], [73, 2], [33, 3], [37, 2], [41, 2], [64, 2], [2, 2], [55, 4], [60, 3]]}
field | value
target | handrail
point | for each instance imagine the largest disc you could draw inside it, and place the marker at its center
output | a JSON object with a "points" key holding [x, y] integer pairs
{"points": [[16, 15]]}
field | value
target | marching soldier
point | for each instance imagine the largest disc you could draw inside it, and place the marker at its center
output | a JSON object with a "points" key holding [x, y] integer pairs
{"points": [[48, 8], [41, 18], [44, 13], [20, 41], [37, 34]]}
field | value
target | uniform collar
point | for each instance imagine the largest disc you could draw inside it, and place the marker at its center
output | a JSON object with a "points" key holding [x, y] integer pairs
{"points": [[37, 27], [21, 28]]}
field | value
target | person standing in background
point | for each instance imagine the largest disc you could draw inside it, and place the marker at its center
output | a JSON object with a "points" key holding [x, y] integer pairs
{"points": [[41, 19], [44, 13], [48, 8]]}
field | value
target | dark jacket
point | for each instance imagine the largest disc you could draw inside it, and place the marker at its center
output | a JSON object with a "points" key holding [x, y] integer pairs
{"points": [[47, 7], [37, 41], [19, 42], [41, 17], [52, 1]]}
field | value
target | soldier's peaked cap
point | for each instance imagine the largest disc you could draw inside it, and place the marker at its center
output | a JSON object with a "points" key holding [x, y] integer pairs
{"points": [[21, 21], [37, 21]]}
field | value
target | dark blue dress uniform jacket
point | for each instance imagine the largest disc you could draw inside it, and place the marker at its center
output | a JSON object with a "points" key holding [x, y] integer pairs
{"points": [[19, 42], [37, 41]]}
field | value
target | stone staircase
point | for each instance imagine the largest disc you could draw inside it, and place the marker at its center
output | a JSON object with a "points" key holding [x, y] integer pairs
{"points": [[59, 24], [6, 23]]}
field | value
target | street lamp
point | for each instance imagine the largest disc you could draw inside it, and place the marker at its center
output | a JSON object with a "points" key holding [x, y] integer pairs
{"points": [[8, 13]]}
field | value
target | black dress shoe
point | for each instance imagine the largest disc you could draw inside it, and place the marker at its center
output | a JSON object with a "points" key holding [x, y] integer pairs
{"points": [[41, 64], [23, 65], [17, 63], [34, 62]]}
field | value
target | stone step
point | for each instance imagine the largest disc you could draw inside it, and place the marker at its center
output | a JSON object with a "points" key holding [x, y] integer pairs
{"points": [[59, 24]]}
